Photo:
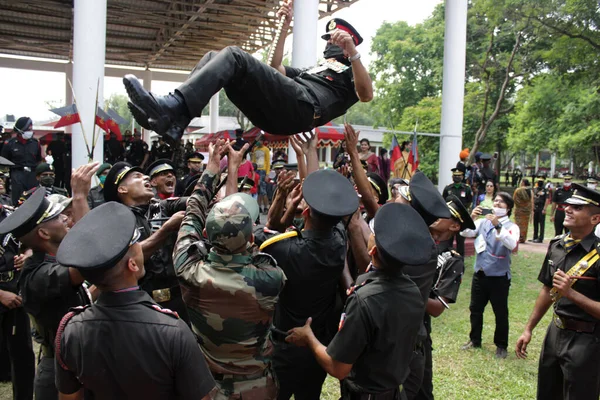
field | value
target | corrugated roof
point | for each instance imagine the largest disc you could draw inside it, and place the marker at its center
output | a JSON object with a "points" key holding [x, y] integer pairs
{"points": [[171, 34]]}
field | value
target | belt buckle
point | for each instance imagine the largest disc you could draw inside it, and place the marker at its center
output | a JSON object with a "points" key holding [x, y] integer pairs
{"points": [[6, 276], [161, 295], [28, 169], [558, 321]]}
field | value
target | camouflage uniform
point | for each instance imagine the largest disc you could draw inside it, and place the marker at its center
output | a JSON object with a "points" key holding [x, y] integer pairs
{"points": [[230, 297]]}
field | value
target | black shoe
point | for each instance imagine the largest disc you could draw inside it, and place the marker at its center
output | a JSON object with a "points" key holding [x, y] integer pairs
{"points": [[532, 240], [470, 345], [166, 115], [501, 353], [538, 241]]}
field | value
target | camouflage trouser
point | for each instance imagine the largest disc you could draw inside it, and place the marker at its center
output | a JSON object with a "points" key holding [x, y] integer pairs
{"points": [[239, 387]]}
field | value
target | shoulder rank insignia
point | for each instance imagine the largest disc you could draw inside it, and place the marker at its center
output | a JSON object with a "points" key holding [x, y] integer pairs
{"points": [[165, 311], [278, 238]]}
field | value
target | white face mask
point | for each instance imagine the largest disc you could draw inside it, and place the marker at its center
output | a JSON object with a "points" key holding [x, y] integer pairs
{"points": [[567, 184], [500, 212], [27, 135], [591, 186]]}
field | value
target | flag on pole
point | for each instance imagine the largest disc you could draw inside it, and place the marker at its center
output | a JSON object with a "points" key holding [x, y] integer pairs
{"points": [[116, 117], [101, 118], [109, 122], [413, 155], [68, 115], [396, 153]]}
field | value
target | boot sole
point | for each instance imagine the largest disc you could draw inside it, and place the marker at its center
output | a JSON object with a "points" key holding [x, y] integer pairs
{"points": [[139, 115], [155, 117]]}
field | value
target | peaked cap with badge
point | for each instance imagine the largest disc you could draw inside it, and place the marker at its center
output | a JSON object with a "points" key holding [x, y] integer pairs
{"points": [[338, 23], [401, 236], [159, 166], [583, 196], [460, 212], [81, 247], [194, 157], [115, 176], [248, 182], [33, 212], [380, 187], [425, 198]]}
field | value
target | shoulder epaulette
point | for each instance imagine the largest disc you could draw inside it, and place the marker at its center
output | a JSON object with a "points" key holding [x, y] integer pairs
{"points": [[61, 328], [264, 257], [278, 238], [163, 310]]}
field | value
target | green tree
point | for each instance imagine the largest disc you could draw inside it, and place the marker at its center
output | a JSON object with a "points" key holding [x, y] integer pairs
{"points": [[118, 102]]}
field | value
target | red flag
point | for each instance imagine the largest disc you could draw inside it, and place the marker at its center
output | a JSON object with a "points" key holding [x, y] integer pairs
{"points": [[396, 151], [413, 155], [68, 115]]}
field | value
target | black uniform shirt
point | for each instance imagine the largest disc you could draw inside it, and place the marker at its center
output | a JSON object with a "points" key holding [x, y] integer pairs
{"points": [[485, 174], [127, 347], [95, 197], [558, 258], [540, 195], [183, 183], [313, 264], [450, 269], [48, 293], [334, 91], [561, 195], [137, 151], [378, 330], [461, 190], [423, 275], [27, 154], [58, 149], [9, 247]]}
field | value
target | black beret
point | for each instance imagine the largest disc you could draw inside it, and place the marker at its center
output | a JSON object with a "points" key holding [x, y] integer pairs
{"points": [[36, 210], [401, 236], [94, 243], [338, 23], [115, 176], [194, 157], [159, 166], [22, 124], [43, 167], [329, 193], [380, 187], [425, 198], [584, 196], [460, 212]]}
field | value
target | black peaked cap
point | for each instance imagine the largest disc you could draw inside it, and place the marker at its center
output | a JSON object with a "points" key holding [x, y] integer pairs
{"points": [[460, 212], [115, 176], [401, 236], [35, 210], [329, 193], [426, 199], [159, 166]]}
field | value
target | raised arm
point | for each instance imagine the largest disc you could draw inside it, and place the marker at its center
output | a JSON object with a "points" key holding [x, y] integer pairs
{"points": [[81, 182], [359, 174], [362, 80], [287, 11]]}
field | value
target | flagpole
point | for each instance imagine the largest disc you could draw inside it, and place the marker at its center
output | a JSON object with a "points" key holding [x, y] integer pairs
{"points": [[94, 139], [87, 146]]}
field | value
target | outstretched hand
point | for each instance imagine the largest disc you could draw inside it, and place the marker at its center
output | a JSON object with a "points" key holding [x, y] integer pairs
{"points": [[235, 158], [215, 152], [81, 178], [351, 138], [300, 336]]}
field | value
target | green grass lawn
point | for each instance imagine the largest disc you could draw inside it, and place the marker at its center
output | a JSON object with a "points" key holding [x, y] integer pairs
{"points": [[475, 374]]}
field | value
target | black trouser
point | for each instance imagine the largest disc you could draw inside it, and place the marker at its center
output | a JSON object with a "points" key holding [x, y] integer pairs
{"points": [[539, 223], [413, 382], [16, 333], [297, 372], [493, 289], [559, 219], [20, 181], [45, 388], [59, 173], [569, 367], [426, 390], [270, 100]]}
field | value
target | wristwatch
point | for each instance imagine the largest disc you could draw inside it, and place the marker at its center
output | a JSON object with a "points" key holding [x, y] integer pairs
{"points": [[499, 226], [354, 57]]}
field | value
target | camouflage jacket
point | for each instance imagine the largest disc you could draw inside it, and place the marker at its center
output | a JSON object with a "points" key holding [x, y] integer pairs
{"points": [[230, 298]]}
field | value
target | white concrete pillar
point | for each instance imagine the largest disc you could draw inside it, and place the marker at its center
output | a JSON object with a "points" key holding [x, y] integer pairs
{"points": [[591, 168], [213, 107], [328, 159], [147, 78], [89, 47], [453, 87], [304, 49], [537, 162], [68, 91]]}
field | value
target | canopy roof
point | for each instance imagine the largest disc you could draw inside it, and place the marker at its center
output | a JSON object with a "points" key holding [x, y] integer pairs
{"points": [[171, 34]]}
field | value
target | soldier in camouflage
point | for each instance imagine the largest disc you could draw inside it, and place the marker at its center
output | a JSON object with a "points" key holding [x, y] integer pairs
{"points": [[230, 293]]}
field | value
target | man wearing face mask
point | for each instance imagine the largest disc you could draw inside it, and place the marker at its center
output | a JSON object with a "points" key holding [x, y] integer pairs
{"points": [[45, 175], [296, 100], [559, 203], [496, 238], [461, 190], [96, 195], [25, 152]]}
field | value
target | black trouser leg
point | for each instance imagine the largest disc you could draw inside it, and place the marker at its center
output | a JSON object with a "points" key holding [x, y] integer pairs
{"points": [[479, 299], [498, 289], [298, 373], [559, 219], [270, 100], [550, 374], [45, 389], [460, 244], [426, 390], [15, 330], [20, 181]]}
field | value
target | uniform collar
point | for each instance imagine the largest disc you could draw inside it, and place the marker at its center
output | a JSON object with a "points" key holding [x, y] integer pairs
{"points": [[111, 299], [587, 242], [229, 258], [314, 234]]}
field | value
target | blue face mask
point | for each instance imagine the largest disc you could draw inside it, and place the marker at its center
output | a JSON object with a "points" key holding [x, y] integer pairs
{"points": [[102, 178]]}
